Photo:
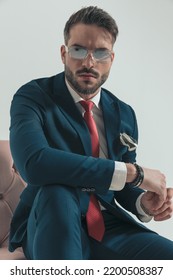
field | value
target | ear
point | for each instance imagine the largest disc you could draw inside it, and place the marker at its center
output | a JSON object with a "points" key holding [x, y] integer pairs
{"points": [[63, 52], [112, 57]]}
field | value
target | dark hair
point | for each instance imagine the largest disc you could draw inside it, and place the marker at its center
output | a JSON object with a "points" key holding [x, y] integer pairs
{"points": [[92, 15]]}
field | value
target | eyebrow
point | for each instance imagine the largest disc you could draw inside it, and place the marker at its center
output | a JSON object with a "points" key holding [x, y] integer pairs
{"points": [[77, 45]]}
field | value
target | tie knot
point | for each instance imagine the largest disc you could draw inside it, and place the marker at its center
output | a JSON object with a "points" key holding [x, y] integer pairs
{"points": [[87, 105]]}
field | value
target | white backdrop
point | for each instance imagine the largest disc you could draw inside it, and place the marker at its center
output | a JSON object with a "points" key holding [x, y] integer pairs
{"points": [[31, 33]]}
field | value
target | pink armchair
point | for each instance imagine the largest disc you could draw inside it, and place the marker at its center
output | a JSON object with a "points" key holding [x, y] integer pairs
{"points": [[11, 186]]}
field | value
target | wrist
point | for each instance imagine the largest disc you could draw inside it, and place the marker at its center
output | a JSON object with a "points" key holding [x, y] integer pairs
{"points": [[140, 176], [131, 172], [146, 211], [135, 174]]}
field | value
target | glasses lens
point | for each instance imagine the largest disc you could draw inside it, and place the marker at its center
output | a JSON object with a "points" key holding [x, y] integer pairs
{"points": [[77, 52], [101, 54]]}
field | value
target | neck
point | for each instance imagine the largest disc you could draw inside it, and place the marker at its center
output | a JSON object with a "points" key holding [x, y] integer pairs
{"points": [[87, 96]]}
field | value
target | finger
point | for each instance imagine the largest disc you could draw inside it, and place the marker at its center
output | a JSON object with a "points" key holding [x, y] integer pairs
{"points": [[160, 218], [168, 204], [164, 215], [163, 194], [159, 204], [169, 193], [161, 209]]}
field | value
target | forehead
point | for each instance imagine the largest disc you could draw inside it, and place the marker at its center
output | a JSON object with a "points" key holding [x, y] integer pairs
{"points": [[90, 36]]}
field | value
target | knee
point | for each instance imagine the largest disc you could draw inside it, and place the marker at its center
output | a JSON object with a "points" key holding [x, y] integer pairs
{"points": [[58, 199], [59, 193]]}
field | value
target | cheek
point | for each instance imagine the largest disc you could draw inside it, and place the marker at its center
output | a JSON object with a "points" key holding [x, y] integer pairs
{"points": [[105, 68], [73, 65]]}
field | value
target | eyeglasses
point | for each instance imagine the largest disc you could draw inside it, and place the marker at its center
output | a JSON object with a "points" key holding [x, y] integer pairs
{"points": [[81, 53]]}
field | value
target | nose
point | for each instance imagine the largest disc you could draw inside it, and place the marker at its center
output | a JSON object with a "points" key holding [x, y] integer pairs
{"points": [[88, 61]]}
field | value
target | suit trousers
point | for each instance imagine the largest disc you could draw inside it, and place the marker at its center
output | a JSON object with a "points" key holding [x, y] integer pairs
{"points": [[57, 229]]}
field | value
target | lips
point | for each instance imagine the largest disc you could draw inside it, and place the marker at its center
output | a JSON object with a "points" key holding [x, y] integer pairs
{"points": [[86, 75]]}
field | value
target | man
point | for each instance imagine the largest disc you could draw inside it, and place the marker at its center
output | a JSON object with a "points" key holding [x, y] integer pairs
{"points": [[74, 143]]}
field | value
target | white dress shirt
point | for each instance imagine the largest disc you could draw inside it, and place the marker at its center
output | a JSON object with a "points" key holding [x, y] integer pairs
{"points": [[120, 171]]}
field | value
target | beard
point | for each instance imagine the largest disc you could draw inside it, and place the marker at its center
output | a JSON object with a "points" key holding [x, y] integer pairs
{"points": [[85, 89]]}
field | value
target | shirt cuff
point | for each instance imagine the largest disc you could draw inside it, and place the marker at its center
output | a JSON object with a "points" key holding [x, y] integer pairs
{"points": [[142, 215], [119, 176]]}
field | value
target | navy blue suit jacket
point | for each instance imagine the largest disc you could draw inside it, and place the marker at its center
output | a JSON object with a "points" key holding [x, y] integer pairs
{"points": [[50, 144]]}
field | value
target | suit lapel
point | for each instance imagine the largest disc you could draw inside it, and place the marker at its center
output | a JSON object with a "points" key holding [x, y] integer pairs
{"points": [[66, 104], [111, 117]]}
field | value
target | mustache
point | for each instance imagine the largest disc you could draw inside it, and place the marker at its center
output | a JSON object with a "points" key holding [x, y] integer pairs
{"points": [[88, 71]]}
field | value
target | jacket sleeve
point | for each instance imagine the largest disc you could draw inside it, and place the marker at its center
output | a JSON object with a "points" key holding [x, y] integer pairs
{"points": [[38, 162]]}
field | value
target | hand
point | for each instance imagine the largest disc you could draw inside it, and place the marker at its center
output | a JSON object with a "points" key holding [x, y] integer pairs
{"points": [[155, 182], [151, 202]]}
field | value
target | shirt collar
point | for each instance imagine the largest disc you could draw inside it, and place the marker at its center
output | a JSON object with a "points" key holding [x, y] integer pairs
{"points": [[77, 98]]}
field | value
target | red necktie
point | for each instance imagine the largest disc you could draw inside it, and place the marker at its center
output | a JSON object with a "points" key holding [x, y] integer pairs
{"points": [[94, 218]]}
